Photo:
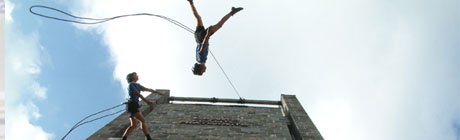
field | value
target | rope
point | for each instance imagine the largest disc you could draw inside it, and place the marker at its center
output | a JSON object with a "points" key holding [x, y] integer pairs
{"points": [[101, 20], [80, 123], [226, 76]]}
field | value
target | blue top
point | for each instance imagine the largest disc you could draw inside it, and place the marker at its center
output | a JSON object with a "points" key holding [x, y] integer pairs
{"points": [[202, 56], [134, 87]]}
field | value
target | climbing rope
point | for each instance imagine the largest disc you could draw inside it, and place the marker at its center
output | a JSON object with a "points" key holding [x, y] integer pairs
{"points": [[226, 76], [101, 20], [80, 123]]}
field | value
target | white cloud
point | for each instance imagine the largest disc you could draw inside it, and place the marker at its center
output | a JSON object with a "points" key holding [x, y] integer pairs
{"points": [[31, 110], [134, 42], [337, 119], [23, 65], [8, 9], [20, 128], [388, 65], [23, 62], [38, 90]]}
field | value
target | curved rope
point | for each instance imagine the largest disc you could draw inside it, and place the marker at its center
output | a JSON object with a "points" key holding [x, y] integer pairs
{"points": [[80, 123], [101, 20]]}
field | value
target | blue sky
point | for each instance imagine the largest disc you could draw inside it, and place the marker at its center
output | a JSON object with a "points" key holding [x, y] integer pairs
{"points": [[361, 69], [71, 69]]}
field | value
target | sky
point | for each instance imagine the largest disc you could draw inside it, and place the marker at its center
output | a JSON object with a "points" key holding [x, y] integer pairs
{"points": [[2, 70], [361, 69]]}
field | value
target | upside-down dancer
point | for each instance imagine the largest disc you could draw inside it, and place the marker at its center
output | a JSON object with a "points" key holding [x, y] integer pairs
{"points": [[202, 36], [134, 90]]}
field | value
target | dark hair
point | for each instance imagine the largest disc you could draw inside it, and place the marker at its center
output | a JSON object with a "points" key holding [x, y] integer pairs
{"points": [[129, 77], [197, 69]]}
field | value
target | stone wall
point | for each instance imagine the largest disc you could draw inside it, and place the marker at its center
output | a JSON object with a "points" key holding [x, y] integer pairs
{"points": [[301, 125], [207, 121], [117, 127], [192, 121]]}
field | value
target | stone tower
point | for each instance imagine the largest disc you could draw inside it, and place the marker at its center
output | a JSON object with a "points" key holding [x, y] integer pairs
{"points": [[169, 119]]}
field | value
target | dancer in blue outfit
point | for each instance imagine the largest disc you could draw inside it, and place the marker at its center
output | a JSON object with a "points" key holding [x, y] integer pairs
{"points": [[202, 36], [134, 90]]}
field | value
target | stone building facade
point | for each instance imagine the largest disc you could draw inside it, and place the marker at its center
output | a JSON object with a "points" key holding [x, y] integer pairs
{"points": [[167, 119]]}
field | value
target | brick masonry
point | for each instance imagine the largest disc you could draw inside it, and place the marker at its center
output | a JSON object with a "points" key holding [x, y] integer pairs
{"points": [[204, 121], [300, 125]]}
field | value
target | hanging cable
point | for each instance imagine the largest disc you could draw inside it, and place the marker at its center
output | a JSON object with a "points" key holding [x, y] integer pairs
{"points": [[101, 20], [226, 76], [80, 123]]}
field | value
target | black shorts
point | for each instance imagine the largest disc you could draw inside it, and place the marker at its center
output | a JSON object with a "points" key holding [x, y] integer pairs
{"points": [[200, 33], [132, 107]]}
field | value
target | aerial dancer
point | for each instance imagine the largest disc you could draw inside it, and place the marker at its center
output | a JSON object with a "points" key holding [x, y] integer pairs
{"points": [[134, 90], [202, 36]]}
